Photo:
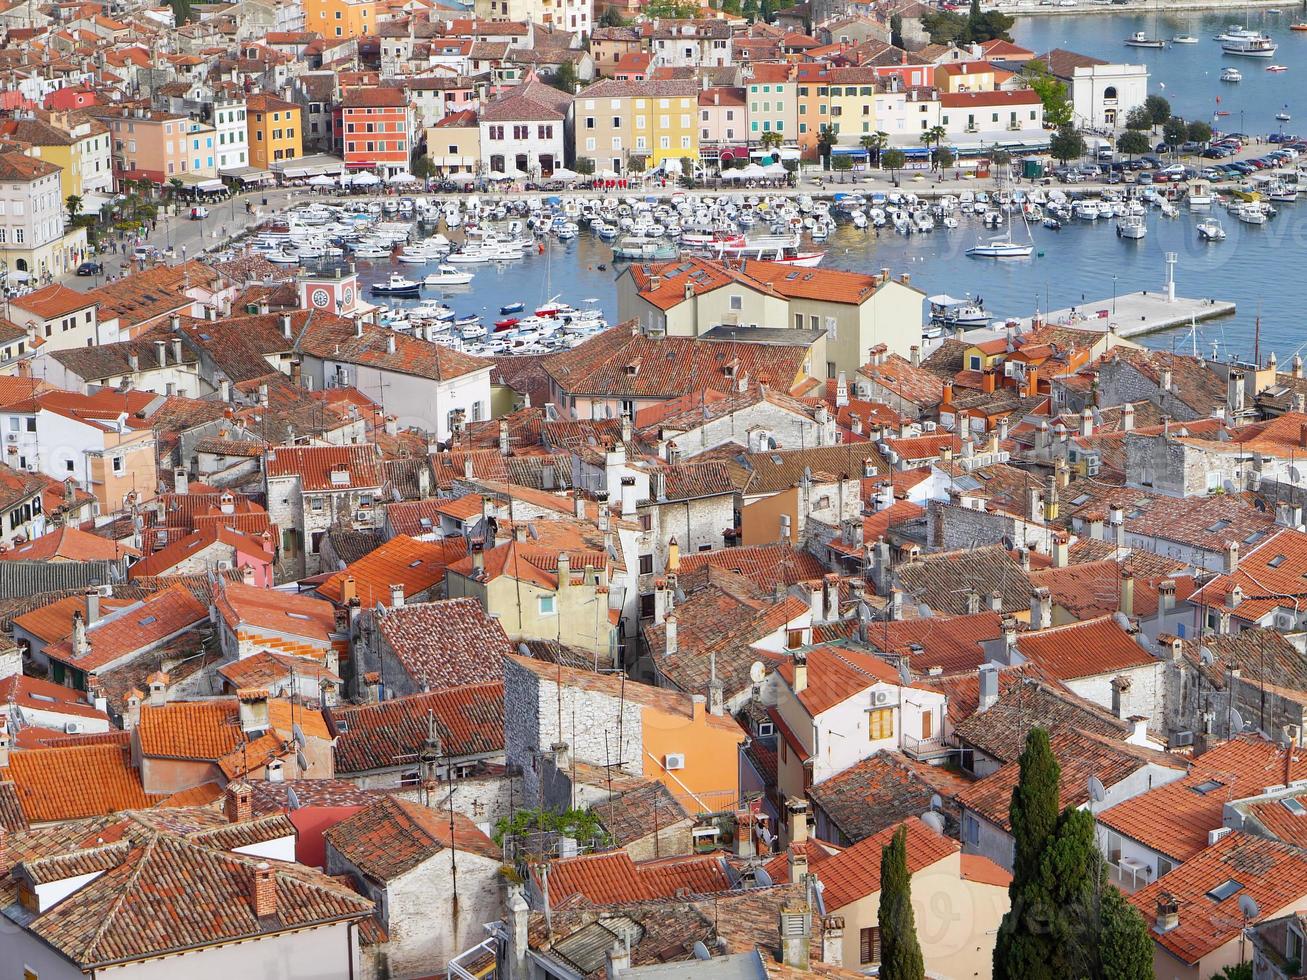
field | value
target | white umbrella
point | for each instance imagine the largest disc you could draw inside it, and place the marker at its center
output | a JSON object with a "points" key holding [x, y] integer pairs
{"points": [[609, 174], [752, 170], [562, 173], [401, 178], [504, 176], [671, 166], [322, 180], [366, 179], [775, 170]]}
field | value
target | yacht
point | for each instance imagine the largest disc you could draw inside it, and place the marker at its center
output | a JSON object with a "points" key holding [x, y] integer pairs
{"points": [[1140, 39], [396, 285], [1001, 248], [1211, 230], [1234, 33], [1231, 75], [1258, 46], [1131, 226], [1184, 39], [1250, 213], [948, 311], [447, 275]]}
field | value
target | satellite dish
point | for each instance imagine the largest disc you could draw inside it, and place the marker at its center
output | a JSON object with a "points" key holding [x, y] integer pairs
{"points": [[1236, 721], [1097, 792], [1248, 907], [292, 800], [297, 733], [1206, 656], [924, 611], [701, 951], [934, 821], [524, 650], [303, 762], [766, 837], [935, 802], [905, 673], [762, 879], [757, 672], [1121, 619]]}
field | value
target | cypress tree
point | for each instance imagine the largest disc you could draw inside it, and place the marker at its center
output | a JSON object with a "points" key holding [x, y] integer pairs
{"points": [[900, 953], [1125, 949], [1071, 873], [1024, 949]]}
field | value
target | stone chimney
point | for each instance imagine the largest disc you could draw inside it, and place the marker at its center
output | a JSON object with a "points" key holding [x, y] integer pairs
{"points": [[800, 673], [238, 802], [396, 595], [1168, 913], [564, 570], [348, 590], [988, 687], [796, 931], [1061, 551], [1127, 417], [1231, 557], [1127, 593], [671, 638], [1041, 609], [81, 645], [264, 894], [253, 709], [158, 685], [796, 820]]}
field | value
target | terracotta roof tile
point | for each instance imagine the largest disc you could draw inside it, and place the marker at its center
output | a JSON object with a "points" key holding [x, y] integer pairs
{"points": [[613, 878], [446, 644], [882, 790], [835, 675], [1088, 649], [392, 836], [416, 565], [131, 630], [70, 783], [329, 468], [69, 544], [854, 873], [238, 604]]}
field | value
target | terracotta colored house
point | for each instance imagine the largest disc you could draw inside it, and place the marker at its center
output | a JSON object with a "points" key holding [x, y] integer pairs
{"points": [[376, 127]]}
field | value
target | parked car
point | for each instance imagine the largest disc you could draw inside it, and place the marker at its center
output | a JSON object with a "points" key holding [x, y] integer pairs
{"points": [[90, 269]]}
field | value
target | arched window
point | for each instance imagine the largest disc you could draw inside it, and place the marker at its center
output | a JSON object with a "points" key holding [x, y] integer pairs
{"points": [[1109, 92]]}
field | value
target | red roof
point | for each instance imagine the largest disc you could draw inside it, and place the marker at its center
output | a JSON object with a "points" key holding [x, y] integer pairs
{"points": [[1088, 649], [416, 565], [854, 873], [835, 675], [322, 468], [135, 629], [613, 878]]}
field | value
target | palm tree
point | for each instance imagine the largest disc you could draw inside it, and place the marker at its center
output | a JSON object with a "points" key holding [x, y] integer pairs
{"points": [[74, 205], [771, 140], [825, 140], [934, 135], [873, 143], [174, 190]]}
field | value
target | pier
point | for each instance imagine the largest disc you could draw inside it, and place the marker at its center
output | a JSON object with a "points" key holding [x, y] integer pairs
{"points": [[1135, 314]]}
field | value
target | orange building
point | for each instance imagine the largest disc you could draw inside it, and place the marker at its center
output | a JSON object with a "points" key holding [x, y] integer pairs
{"points": [[274, 130], [376, 129], [341, 18], [812, 94]]}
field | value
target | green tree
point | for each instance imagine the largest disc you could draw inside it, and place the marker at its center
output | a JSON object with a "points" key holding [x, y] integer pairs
{"points": [[975, 18], [825, 140], [900, 952], [945, 27], [1241, 971], [944, 158], [1198, 131], [893, 161], [1139, 118], [1024, 949], [1067, 143], [1051, 92], [565, 79], [1159, 108], [181, 10], [749, 9], [1070, 881], [896, 30], [841, 165], [770, 140], [731, 7], [612, 17], [74, 205], [935, 135], [1125, 949], [584, 166], [1000, 158], [423, 168], [874, 144], [1175, 129], [767, 10], [1132, 143]]}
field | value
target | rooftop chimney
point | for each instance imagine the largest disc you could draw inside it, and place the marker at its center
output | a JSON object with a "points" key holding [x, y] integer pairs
{"points": [[158, 685], [264, 892], [671, 639], [988, 687], [238, 802], [1127, 593], [396, 595], [1168, 914], [1041, 608], [253, 709], [800, 673]]}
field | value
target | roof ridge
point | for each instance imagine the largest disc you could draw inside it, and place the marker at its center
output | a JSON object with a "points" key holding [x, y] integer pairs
{"points": [[147, 850]]}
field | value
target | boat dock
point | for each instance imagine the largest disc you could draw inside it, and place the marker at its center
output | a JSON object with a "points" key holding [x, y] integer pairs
{"points": [[1135, 314]]}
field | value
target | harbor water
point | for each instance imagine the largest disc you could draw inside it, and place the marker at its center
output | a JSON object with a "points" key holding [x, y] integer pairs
{"points": [[1261, 268]]}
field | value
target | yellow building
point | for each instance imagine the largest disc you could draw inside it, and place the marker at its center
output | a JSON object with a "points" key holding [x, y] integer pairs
{"points": [[649, 121], [341, 18], [81, 150], [274, 128]]}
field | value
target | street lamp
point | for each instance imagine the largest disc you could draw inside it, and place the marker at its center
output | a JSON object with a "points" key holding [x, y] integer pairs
{"points": [[1114, 294]]}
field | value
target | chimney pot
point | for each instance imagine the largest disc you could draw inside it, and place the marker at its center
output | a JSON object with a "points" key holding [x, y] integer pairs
{"points": [[265, 891]]}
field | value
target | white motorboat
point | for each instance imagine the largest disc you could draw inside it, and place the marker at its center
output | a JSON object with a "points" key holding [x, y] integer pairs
{"points": [[1250, 213], [1211, 230], [1258, 46], [447, 275], [1140, 39], [1231, 75], [949, 311], [396, 285], [1001, 248], [282, 258], [1184, 39], [471, 331], [1131, 226]]}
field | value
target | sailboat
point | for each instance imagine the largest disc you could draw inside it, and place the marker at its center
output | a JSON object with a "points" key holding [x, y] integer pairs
{"points": [[1004, 247]]}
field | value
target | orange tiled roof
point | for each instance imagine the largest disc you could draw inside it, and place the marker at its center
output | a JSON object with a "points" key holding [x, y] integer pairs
{"points": [[353, 467], [392, 836], [416, 565], [835, 675], [1175, 819], [55, 622], [613, 878], [1088, 649], [240, 604], [1272, 873], [854, 873], [159, 617], [70, 783], [69, 544]]}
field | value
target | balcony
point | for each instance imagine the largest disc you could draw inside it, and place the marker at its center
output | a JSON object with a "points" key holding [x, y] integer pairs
{"points": [[924, 749]]}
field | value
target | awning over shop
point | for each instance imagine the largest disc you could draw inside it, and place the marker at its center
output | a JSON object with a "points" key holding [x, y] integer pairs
{"points": [[194, 182], [310, 166], [92, 203], [247, 175]]}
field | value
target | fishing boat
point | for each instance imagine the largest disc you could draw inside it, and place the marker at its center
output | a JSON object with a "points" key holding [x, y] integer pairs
{"points": [[949, 311], [1211, 230], [1231, 75], [509, 308], [396, 285], [1140, 39], [1184, 39], [1283, 116], [447, 275], [1298, 27], [1277, 68], [507, 323], [1257, 46], [1131, 226]]}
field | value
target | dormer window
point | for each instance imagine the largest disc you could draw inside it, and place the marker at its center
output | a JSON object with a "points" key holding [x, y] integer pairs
{"points": [[633, 368]]}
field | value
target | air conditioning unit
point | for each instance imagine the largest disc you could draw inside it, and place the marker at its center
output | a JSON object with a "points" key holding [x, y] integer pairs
{"points": [[1284, 621], [1092, 465], [12, 437], [224, 566], [674, 760], [1181, 739], [929, 426], [73, 727], [880, 697]]}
